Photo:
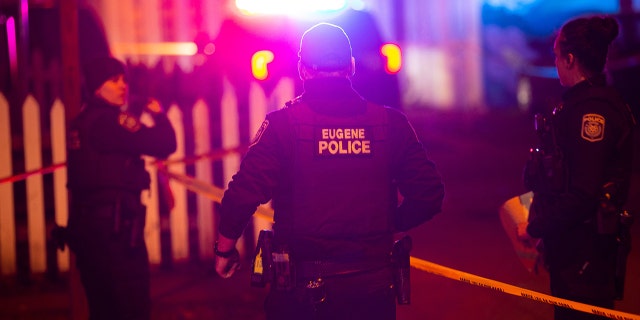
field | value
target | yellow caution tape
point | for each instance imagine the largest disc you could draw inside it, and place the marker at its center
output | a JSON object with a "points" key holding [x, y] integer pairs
{"points": [[264, 212], [506, 288], [212, 192], [213, 155]]}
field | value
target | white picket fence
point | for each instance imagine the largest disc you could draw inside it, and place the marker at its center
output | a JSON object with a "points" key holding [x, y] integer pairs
{"points": [[36, 225]]}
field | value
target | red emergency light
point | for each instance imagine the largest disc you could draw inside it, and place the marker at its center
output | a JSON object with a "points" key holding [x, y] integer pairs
{"points": [[260, 64], [261, 59]]}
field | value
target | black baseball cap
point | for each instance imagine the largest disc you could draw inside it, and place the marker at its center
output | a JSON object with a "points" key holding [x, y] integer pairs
{"points": [[325, 47]]}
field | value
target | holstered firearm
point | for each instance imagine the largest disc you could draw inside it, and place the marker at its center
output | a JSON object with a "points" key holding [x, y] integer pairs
{"points": [[400, 257], [611, 220], [623, 240], [544, 169]]}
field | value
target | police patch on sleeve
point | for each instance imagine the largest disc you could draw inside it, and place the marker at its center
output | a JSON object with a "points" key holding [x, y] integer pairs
{"points": [[592, 127], [260, 132], [128, 121]]}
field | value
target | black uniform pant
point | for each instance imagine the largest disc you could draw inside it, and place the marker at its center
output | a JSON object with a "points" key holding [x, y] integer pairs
{"points": [[363, 296], [589, 280], [566, 284], [115, 275]]}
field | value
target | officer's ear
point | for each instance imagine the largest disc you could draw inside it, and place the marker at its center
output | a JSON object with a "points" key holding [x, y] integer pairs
{"points": [[571, 60], [302, 71]]}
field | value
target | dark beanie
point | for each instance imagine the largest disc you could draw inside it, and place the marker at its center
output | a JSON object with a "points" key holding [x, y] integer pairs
{"points": [[325, 47], [99, 70]]}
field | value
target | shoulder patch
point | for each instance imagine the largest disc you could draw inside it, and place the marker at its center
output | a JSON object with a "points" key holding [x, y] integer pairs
{"points": [[128, 121], [592, 127], [260, 132]]}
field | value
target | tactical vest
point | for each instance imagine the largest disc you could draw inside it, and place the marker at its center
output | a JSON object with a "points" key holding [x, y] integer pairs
{"points": [[90, 171], [340, 174]]}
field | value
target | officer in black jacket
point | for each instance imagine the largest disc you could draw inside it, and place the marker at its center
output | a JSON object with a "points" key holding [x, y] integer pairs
{"points": [[333, 164], [576, 203], [106, 176]]}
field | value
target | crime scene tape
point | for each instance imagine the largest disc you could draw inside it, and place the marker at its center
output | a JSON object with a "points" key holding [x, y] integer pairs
{"points": [[264, 212], [212, 192], [25, 175], [213, 155], [513, 290]]}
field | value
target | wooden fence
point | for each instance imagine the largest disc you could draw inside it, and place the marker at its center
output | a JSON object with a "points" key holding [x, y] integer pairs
{"points": [[25, 242]]}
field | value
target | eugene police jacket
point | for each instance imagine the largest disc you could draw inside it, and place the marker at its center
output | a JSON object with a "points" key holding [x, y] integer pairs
{"points": [[105, 148], [333, 164], [594, 133]]}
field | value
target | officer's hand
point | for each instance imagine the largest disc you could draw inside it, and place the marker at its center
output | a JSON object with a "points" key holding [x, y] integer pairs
{"points": [[226, 267], [153, 106], [227, 256]]}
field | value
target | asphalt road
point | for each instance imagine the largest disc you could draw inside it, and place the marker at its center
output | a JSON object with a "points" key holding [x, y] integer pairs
{"points": [[480, 156]]}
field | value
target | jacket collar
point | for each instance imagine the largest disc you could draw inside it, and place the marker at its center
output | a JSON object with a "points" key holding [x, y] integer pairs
{"points": [[333, 96]]}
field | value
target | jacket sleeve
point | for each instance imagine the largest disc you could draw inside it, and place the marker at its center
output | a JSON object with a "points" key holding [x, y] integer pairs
{"points": [[256, 179], [586, 155], [158, 141], [417, 178]]}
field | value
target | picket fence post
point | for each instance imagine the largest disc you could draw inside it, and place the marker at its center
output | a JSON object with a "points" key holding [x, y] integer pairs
{"points": [[230, 137], [59, 155], [257, 113], [179, 219], [35, 197], [205, 215], [8, 263], [152, 223]]}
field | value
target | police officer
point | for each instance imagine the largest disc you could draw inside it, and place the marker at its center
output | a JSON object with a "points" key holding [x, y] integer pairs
{"points": [[592, 138], [106, 175], [333, 164]]}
